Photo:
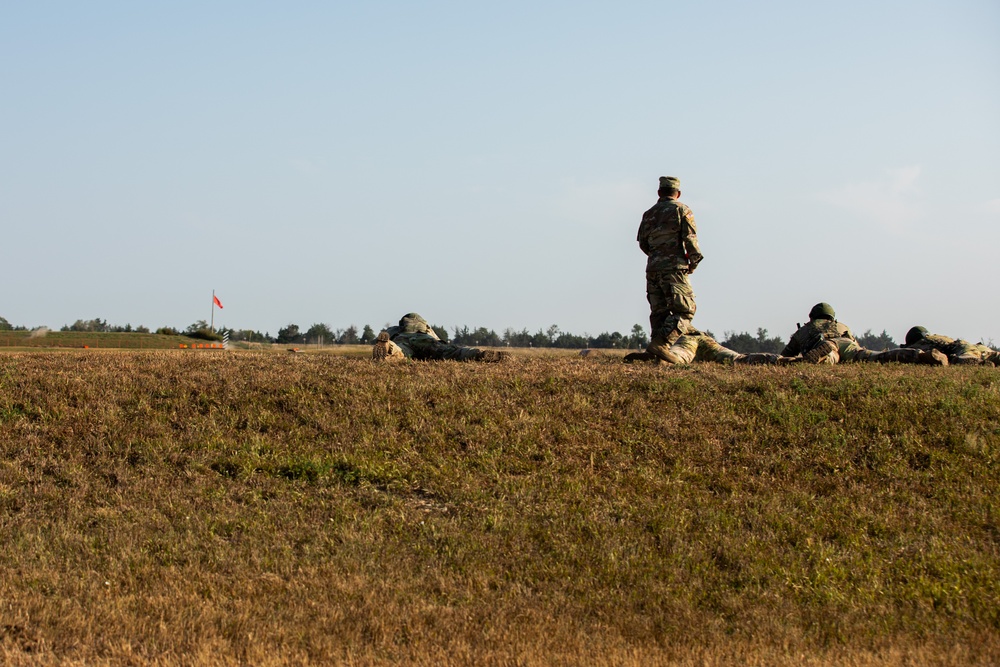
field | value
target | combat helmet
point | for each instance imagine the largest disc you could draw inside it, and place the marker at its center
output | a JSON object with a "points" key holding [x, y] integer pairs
{"points": [[413, 323], [915, 334], [822, 311]]}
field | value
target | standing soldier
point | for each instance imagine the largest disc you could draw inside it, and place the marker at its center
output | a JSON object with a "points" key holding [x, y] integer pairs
{"points": [[668, 237]]}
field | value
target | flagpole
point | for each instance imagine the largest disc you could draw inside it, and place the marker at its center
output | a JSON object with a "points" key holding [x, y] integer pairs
{"points": [[212, 325]]}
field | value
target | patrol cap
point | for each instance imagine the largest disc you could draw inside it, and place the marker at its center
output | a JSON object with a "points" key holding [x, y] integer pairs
{"points": [[915, 334], [670, 183], [822, 311]]}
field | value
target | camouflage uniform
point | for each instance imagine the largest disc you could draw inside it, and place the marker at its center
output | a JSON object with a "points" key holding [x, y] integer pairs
{"points": [[415, 339], [668, 237], [828, 341], [957, 350], [810, 336], [700, 347]]}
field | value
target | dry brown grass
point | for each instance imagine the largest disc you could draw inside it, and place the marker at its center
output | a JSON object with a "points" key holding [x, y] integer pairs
{"points": [[252, 508]]}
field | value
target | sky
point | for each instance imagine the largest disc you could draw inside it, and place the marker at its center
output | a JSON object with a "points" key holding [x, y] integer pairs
{"points": [[487, 164]]}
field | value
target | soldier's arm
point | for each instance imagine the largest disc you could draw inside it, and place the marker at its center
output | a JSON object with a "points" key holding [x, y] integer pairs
{"points": [[643, 238], [689, 238], [794, 346]]}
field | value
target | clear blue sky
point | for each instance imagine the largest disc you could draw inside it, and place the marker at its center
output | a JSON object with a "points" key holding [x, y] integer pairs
{"points": [[487, 164]]}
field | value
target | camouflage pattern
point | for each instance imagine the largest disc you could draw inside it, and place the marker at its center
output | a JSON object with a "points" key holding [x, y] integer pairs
{"points": [[385, 350], [670, 183], [427, 347], [671, 305], [814, 332], [958, 351], [413, 323], [850, 351], [417, 340], [669, 237], [701, 347]]}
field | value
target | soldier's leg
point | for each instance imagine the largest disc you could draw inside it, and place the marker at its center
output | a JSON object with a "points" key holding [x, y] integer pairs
{"points": [[659, 304], [827, 352], [904, 355], [682, 296], [426, 347], [683, 351], [672, 306], [758, 359], [850, 351], [672, 330], [965, 359], [710, 350]]}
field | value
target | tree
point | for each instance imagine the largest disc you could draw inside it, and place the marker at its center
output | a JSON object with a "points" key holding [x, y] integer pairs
{"points": [[318, 334], [882, 341], [349, 336], [289, 334], [567, 340], [367, 335], [5, 325], [441, 332], [744, 343], [91, 326], [197, 326], [605, 340], [201, 331], [461, 336], [250, 336], [514, 338], [638, 338]]}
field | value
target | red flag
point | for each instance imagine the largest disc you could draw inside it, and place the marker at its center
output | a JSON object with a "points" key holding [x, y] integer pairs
{"points": [[216, 300]]}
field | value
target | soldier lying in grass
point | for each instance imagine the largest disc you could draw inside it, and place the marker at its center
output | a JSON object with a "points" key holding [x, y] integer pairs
{"points": [[957, 350], [414, 338], [824, 340]]}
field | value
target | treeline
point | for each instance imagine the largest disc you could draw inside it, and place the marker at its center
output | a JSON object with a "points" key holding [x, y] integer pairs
{"points": [[468, 336], [746, 343], [323, 334]]}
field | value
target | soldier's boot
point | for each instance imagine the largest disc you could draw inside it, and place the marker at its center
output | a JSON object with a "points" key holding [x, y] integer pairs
{"points": [[385, 350], [932, 358], [641, 357], [757, 358], [492, 356], [659, 347], [902, 355], [824, 353]]}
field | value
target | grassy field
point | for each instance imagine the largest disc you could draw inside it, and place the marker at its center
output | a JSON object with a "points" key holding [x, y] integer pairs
{"points": [[28, 340], [260, 508]]}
